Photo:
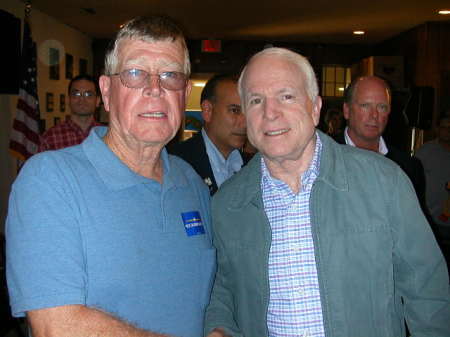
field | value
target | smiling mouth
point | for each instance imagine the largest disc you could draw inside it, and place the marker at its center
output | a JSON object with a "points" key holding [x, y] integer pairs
{"points": [[156, 114], [276, 132]]}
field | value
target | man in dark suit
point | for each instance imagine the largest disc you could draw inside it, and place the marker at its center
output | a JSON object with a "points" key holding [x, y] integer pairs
{"points": [[214, 152], [367, 105]]}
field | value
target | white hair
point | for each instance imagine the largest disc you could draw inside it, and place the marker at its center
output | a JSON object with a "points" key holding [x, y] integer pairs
{"points": [[302, 62]]}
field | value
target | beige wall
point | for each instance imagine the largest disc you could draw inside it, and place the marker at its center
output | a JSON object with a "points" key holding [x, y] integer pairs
{"points": [[46, 32]]}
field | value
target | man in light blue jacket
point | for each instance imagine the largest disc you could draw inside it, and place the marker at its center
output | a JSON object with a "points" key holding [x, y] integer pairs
{"points": [[314, 238]]}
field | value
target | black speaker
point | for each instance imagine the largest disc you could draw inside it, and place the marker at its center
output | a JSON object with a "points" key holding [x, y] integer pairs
{"points": [[420, 106], [10, 55]]}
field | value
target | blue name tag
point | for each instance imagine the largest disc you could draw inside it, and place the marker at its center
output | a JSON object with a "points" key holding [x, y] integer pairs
{"points": [[192, 223]]}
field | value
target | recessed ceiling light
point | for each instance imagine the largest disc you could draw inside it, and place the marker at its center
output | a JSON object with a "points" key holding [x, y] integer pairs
{"points": [[444, 11], [199, 84], [359, 32]]}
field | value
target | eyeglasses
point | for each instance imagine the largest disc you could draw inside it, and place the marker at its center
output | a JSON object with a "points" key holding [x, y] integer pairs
{"points": [[137, 78], [86, 94]]}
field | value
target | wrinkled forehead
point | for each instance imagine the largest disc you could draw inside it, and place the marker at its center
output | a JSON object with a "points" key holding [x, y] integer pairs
{"points": [[161, 53], [372, 88], [266, 72]]}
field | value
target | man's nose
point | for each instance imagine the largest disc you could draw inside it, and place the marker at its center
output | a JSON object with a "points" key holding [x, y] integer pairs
{"points": [[153, 88], [271, 109], [373, 111]]}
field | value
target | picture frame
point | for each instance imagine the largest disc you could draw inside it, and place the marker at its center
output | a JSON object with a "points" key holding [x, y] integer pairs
{"points": [[49, 102], [69, 66], [53, 61], [62, 102]]}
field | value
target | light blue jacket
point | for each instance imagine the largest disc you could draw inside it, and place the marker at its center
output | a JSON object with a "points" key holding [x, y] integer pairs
{"points": [[377, 260]]}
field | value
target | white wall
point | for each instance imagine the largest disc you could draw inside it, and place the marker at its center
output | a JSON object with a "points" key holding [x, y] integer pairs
{"points": [[47, 32]]}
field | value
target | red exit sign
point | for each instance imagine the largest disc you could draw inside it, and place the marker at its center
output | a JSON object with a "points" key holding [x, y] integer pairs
{"points": [[211, 46]]}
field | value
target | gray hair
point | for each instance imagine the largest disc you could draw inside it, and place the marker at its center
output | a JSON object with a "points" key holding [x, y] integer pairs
{"points": [[148, 29], [302, 62]]}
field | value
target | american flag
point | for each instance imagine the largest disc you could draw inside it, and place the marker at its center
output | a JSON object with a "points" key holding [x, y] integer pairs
{"points": [[25, 130]]}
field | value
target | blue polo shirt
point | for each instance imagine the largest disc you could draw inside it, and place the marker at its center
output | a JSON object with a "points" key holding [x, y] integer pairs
{"points": [[82, 228]]}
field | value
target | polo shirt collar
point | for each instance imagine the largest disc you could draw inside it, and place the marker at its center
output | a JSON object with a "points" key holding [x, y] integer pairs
{"points": [[115, 174]]}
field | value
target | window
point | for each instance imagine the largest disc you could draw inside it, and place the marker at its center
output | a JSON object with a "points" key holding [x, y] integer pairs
{"points": [[334, 80]]}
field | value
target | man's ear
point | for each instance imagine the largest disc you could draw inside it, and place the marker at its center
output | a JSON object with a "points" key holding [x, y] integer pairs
{"points": [[317, 105], [346, 110], [105, 87], [207, 108], [188, 89]]}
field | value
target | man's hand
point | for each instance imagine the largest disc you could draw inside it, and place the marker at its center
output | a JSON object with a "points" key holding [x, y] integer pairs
{"points": [[218, 333]]}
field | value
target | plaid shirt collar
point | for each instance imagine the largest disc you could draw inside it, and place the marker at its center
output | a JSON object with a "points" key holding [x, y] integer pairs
{"points": [[306, 179]]}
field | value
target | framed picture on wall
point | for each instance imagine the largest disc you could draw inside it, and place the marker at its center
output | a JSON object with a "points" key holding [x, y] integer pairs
{"points": [[83, 66], [62, 102], [49, 102], [53, 61], [69, 66]]}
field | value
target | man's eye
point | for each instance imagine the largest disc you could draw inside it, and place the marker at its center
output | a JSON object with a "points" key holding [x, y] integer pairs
{"points": [[169, 74], [288, 97], [135, 72], [236, 110], [364, 105], [382, 107], [254, 101]]}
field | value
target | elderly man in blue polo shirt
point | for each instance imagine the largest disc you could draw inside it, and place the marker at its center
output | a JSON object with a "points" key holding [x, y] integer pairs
{"points": [[111, 237], [315, 238]]}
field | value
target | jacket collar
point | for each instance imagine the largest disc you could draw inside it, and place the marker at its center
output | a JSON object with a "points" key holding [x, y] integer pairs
{"points": [[332, 172], [332, 166]]}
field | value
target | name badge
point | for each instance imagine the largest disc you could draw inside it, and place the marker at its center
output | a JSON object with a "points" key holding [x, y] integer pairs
{"points": [[192, 223]]}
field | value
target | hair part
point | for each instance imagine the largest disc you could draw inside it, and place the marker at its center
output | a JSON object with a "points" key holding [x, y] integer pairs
{"points": [[149, 29], [209, 91], [84, 77], [312, 88]]}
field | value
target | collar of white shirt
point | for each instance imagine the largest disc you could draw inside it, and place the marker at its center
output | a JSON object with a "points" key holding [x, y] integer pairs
{"points": [[221, 167], [382, 148]]}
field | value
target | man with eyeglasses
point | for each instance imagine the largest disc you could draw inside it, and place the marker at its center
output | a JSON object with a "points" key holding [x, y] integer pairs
{"points": [[83, 101], [112, 237], [214, 152]]}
